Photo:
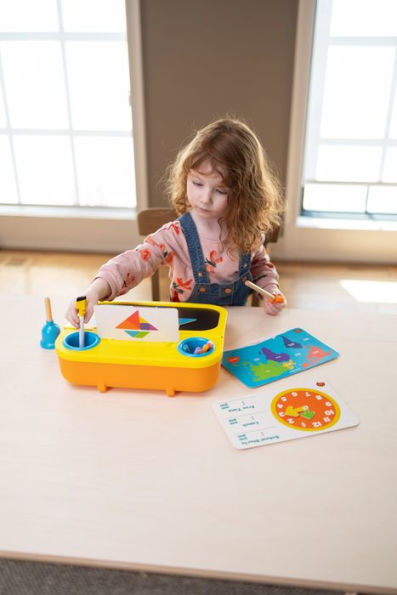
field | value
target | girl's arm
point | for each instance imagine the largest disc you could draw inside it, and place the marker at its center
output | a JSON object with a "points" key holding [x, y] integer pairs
{"points": [[125, 271], [265, 274]]}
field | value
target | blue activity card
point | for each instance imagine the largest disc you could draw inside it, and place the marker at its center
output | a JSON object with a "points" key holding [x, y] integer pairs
{"points": [[272, 359]]}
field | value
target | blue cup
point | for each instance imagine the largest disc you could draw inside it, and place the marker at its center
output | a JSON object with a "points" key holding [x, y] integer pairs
{"points": [[72, 341], [190, 345]]}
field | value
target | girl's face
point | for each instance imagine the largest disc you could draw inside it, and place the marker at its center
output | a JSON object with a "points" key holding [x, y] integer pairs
{"points": [[206, 191]]}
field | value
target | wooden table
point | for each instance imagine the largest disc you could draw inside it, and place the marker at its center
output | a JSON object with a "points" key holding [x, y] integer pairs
{"points": [[143, 481]]}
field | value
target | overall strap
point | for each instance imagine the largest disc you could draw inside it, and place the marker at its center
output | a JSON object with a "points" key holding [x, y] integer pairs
{"points": [[245, 263], [194, 246]]}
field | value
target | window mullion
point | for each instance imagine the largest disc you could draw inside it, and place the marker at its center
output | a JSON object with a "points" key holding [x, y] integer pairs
{"points": [[393, 92], [68, 104], [319, 59], [9, 132]]}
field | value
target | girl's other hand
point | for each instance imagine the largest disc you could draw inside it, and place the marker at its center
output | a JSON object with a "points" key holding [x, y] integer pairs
{"points": [[274, 307], [96, 291]]}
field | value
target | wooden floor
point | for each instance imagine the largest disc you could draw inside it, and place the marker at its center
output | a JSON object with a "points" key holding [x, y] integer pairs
{"points": [[314, 286]]}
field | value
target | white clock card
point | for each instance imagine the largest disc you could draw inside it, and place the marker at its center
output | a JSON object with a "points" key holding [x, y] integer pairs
{"points": [[135, 323], [274, 416]]}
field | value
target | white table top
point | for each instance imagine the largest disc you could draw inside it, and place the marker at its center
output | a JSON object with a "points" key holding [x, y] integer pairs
{"points": [[143, 481]]}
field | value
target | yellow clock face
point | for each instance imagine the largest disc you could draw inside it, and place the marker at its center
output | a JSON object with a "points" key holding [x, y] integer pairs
{"points": [[305, 409]]}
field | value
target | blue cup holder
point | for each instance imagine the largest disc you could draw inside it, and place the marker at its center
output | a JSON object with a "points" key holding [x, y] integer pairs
{"points": [[194, 344], [72, 341]]}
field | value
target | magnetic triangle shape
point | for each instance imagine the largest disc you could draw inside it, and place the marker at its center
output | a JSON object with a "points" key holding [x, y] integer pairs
{"points": [[132, 322], [144, 324], [137, 334], [186, 320]]}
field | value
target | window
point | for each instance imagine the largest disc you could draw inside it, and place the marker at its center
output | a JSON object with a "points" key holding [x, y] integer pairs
{"points": [[350, 162], [65, 117]]}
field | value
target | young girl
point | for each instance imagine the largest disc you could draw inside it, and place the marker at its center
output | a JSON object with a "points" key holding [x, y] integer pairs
{"points": [[221, 186]]}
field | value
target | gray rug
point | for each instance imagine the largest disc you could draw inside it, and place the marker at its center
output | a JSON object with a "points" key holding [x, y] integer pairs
{"points": [[36, 578]]}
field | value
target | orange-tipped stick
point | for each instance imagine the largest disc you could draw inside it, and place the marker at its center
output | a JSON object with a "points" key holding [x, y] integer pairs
{"points": [[274, 298]]}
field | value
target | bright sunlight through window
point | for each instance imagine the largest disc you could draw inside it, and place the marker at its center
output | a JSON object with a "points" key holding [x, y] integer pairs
{"points": [[350, 164], [65, 117], [384, 292]]}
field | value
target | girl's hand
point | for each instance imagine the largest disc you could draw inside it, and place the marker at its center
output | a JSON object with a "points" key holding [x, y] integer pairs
{"points": [[95, 292], [275, 305], [72, 314]]}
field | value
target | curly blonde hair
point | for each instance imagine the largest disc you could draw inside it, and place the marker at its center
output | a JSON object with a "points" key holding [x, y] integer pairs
{"points": [[254, 198]]}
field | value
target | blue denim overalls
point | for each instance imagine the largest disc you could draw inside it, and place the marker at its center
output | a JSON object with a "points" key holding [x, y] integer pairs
{"points": [[204, 292]]}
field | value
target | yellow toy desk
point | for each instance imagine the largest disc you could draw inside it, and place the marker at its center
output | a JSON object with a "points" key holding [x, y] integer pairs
{"points": [[172, 367]]}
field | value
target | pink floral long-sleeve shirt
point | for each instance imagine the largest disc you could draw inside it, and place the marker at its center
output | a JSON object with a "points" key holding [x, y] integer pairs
{"points": [[168, 246]]}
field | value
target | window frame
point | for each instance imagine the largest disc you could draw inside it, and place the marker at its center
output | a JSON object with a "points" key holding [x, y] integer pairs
{"points": [[322, 40], [81, 228], [319, 238]]}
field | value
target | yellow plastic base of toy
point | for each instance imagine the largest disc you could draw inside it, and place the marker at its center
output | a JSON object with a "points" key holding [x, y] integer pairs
{"points": [[172, 380], [165, 366]]}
